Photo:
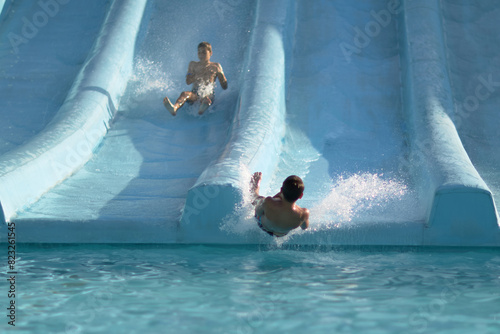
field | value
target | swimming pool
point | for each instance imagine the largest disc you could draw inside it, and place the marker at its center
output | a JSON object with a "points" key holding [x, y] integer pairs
{"points": [[255, 289]]}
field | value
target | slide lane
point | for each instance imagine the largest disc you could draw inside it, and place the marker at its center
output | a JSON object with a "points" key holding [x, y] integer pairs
{"points": [[135, 186], [460, 209], [431, 167], [345, 134]]}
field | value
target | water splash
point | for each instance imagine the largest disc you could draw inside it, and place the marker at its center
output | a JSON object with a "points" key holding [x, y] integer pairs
{"points": [[241, 221], [149, 76], [146, 87], [359, 198], [364, 197], [207, 89]]}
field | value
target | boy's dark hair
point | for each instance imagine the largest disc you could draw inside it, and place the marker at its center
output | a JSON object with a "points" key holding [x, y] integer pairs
{"points": [[292, 188], [205, 45]]}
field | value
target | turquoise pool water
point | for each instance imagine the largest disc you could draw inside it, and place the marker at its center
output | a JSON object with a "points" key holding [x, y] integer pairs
{"points": [[255, 289]]}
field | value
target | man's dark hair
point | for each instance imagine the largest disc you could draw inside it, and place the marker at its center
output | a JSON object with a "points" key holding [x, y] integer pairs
{"points": [[292, 188], [205, 45]]}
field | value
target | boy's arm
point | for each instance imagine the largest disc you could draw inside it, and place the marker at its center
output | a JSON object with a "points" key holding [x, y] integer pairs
{"points": [[305, 223], [222, 77], [190, 78]]}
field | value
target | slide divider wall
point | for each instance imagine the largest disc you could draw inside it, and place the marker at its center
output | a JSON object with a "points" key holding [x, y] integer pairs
{"points": [[256, 134], [68, 142], [460, 210]]}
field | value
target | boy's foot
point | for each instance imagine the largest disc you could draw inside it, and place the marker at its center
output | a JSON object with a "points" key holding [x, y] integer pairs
{"points": [[204, 106], [169, 106], [255, 182]]}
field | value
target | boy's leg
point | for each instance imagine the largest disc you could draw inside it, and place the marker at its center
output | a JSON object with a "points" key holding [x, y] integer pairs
{"points": [[170, 107], [205, 103], [185, 96]]}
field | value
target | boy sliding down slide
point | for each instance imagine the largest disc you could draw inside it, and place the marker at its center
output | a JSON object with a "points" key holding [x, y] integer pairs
{"points": [[279, 214], [202, 74]]}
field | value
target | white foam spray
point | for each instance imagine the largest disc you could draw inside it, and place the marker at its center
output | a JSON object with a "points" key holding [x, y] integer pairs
{"points": [[146, 88], [356, 199], [362, 198]]}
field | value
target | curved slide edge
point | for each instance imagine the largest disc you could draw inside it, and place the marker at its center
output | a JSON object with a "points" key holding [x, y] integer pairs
{"points": [[460, 210], [257, 130], [4, 8], [2, 3], [67, 143]]}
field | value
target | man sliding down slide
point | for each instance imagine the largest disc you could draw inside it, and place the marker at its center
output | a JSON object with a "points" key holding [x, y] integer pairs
{"points": [[279, 214]]}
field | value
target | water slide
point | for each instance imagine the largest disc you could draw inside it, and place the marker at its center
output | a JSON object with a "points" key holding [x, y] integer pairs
{"points": [[386, 109]]}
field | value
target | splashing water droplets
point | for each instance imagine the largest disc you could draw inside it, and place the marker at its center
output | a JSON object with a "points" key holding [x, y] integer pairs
{"points": [[358, 198], [206, 89], [146, 86], [148, 76]]}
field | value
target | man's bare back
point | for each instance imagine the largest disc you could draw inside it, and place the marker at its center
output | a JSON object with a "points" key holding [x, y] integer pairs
{"points": [[277, 215]]}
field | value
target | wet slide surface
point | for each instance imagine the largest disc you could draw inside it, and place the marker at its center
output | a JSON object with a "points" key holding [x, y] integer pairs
{"points": [[149, 159]]}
